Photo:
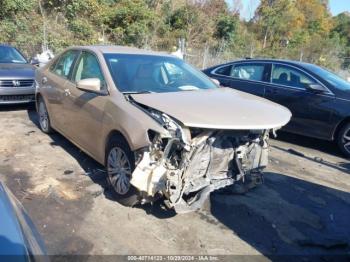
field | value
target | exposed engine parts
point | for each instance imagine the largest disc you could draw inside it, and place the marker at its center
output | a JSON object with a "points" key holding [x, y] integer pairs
{"points": [[187, 164]]}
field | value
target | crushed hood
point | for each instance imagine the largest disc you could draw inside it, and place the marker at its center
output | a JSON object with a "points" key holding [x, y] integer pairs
{"points": [[221, 108]]}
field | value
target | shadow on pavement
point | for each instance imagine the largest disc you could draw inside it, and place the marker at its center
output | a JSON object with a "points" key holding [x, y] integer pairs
{"points": [[287, 216], [342, 166], [324, 146], [18, 107]]}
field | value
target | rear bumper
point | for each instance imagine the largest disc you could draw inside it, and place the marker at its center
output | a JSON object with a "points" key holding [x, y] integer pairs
{"points": [[17, 95]]}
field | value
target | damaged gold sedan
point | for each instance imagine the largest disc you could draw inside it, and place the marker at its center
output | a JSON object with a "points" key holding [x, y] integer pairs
{"points": [[160, 127]]}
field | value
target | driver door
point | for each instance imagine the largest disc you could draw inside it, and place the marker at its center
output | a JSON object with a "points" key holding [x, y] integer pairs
{"points": [[311, 112], [86, 109]]}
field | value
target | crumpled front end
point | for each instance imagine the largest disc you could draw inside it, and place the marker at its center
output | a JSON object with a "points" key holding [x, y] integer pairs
{"points": [[189, 163]]}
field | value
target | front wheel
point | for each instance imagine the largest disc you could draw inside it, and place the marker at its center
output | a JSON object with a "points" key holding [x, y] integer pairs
{"points": [[120, 163], [344, 140]]}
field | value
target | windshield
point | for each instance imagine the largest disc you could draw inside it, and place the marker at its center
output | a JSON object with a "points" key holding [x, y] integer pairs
{"points": [[330, 77], [11, 55], [154, 74]]}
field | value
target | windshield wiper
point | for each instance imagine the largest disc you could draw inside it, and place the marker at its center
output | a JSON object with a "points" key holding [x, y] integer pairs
{"points": [[137, 92]]}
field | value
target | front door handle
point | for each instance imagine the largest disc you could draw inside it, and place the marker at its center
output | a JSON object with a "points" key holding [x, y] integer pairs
{"points": [[67, 92]]}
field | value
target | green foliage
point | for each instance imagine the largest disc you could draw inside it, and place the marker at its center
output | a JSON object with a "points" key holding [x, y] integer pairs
{"points": [[341, 31], [291, 29], [9, 8], [130, 22], [82, 29], [226, 27], [183, 19]]}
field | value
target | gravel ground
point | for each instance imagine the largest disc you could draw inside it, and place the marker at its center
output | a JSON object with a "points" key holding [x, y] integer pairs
{"points": [[303, 208]]}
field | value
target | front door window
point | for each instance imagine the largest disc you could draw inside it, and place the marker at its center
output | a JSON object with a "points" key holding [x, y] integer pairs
{"points": [[287, 76], [88, 67]]}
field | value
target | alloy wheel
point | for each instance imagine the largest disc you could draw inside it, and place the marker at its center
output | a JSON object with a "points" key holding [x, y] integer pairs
{"points": [[43, 116], [346, 140], [119, 170]]}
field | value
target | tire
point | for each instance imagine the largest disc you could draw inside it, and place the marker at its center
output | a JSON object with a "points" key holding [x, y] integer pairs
{"points": [[343, 140], [44, 118], [119, 183]]}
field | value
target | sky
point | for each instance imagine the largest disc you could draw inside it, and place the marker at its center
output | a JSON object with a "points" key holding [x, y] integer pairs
{"points": [[336, 6]]}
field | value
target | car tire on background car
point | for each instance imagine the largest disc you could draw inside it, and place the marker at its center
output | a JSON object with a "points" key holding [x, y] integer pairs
{"points": [[343, 140], [44, 118], [120, 163]]}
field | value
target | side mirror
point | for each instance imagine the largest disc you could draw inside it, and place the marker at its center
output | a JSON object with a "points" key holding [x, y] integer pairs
{"points": [[316, 88], [215, 81], [34, 62], [90, 85]]}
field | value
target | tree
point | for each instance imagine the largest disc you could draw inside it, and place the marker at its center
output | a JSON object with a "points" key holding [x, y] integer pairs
{"points": [[226, 27], [130, 22], [279, 20], [342, 31]]}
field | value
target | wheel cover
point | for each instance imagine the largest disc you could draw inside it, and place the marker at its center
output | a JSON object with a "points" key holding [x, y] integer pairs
{"points": [[43, 116], [346, 140], [119, 170]]}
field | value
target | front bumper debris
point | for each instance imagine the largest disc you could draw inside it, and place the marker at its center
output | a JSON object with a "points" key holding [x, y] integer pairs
{"points": [[188, 165]]}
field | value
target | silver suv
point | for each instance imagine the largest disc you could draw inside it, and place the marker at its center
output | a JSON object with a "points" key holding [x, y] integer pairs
{"points": [[17, 77]]}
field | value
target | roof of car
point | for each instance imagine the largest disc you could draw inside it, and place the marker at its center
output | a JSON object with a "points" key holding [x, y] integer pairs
{"points": [[115, 49], [285, 61]]}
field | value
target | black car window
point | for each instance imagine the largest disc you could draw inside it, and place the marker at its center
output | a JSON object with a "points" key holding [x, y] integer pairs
{"points": [[224, 70], [64, 63], [285, 75], [88, 67], [253, 72]]}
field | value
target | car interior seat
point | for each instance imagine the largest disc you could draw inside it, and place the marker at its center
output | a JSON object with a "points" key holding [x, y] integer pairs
{"points": [[295, 80], [144, 78], [283, 78]]}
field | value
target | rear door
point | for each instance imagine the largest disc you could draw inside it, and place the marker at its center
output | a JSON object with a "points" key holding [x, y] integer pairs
{"points": [[85, 109], [53, 84], [249, 77], [311, 112]]}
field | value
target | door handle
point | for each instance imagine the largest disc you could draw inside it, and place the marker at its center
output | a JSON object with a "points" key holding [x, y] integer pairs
{"points": [[44, 80], [67, 92]]}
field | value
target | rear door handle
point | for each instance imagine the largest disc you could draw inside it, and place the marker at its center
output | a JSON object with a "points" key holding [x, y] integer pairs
{"points": [[44, 80]]}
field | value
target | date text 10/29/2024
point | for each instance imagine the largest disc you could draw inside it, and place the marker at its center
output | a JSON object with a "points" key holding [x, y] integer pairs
{"points": [[173, 258]]}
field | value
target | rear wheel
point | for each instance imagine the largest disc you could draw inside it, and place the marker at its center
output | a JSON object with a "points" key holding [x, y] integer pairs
{"points": [[120, 163], [44, 118], [344, 140]]}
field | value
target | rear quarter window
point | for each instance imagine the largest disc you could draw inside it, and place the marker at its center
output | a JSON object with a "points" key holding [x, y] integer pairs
{"points": [[224, 70]]}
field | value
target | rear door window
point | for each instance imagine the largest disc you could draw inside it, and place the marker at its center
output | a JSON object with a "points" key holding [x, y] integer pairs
{"points": [[288, 76], [254, 72], [65, 63]]}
